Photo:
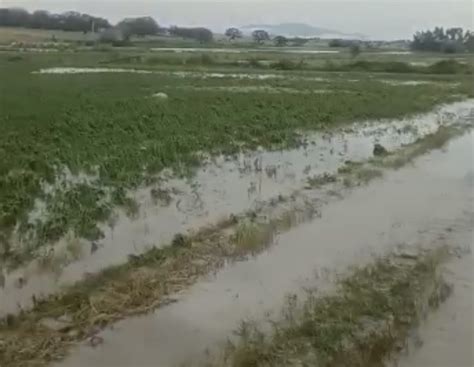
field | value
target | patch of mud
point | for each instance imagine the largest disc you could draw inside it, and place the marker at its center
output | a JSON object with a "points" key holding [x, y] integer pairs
{"points": [[222, 187], [429, 203]]}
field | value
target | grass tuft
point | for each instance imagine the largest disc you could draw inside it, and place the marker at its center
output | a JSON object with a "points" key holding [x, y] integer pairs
{"points": [[360, 325]]}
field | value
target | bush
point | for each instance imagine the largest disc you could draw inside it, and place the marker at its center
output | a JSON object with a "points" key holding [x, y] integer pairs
{"points": [[122, 43], [448, 67], [14, 58], [203, 59], [254, 62], [286, 64], [389, 67]]}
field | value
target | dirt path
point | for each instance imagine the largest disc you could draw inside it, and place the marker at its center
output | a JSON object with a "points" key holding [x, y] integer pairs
{"points": [[429, 203]]}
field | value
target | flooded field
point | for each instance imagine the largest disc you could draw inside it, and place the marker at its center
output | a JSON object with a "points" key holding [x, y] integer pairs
{"points": [[224, 186], [446, 337], [273, 195], [430, 203]]}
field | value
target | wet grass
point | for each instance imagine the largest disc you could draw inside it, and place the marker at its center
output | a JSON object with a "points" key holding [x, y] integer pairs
{"points": [[251, 237], [107, 126], [149, 280], [363, 323], [366, 174], [141, 285], [320, 180], [436, 140]]}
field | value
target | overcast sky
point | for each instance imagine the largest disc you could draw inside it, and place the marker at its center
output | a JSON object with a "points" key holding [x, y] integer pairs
{"points": [[388, 19]]}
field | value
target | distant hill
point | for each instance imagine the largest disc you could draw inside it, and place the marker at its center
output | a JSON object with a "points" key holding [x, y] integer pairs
{"points": [[300, 30]]}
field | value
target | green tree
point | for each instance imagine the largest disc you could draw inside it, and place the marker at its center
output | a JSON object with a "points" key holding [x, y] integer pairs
{"points": [[260, 36], [233, 33], [142, 26], [355, 50], [280, 41]]}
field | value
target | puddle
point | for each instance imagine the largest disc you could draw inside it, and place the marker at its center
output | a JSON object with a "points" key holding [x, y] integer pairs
{"points": [[181, 74], [264, 89], [407, 82], [415, 83], [393, 53], [178, 74], [420, 63], [71, 70], [427, 203], [244, 50], [222, 187]]}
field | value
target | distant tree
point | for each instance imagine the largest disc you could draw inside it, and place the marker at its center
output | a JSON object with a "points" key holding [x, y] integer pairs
{"points": [[280, 41], [233, 33], [355, 50], [14, 17], [200, 34], [450, 40], [142, 26], [41, 19], [114, 35], [455, 34], [298, 41], [260, 36], [339, 43], [203, 35], [469, 41]]}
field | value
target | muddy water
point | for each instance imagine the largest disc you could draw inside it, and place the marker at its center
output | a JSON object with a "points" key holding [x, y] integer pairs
{"points": [[178, 74], [220, 188], [244, 50], [429, 203], [447, 335]]}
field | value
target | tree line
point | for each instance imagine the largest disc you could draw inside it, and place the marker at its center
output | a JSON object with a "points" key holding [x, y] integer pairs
{"points": [[42, 19], [74, 21], [141, 26], [451, 40]]}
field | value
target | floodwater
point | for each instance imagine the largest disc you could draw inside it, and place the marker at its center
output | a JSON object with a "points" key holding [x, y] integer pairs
{"points": [[178, 74], [447, 335], [407, 82], [244, 50], [265, 89], [222, 187], [429, 204], [72, 70]]}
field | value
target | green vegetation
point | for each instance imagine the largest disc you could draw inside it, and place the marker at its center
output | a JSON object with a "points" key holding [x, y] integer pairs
{"points": [[451, 40], [251, 237], [361, 324], [432, 141], [146, 281], [113, 136]]}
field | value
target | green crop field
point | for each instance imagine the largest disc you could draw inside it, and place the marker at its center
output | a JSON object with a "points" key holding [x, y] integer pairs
{"points": [[110, 129]]}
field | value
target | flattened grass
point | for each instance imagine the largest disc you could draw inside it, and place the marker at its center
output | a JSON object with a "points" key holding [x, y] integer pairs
{"points": [[360, 325]]}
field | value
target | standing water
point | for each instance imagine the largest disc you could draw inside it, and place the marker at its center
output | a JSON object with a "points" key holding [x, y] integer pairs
{"points": [[429, 203]]}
